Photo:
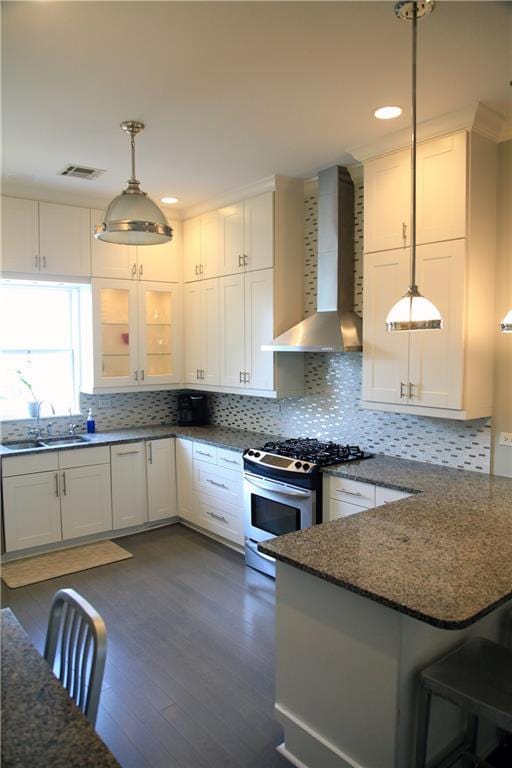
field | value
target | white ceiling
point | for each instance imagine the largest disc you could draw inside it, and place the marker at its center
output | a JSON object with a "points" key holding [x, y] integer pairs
{"points": [[231, 92]]}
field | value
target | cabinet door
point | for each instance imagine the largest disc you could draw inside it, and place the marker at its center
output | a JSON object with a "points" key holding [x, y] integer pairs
{"points": [[115, 348], [185, 478], [160, 343], [441, 189], [129, 506], [20, 235], [111, 259], [436, 358], [259, 231], [339, 509], [387, 202], [232, 338], [65, 240], [232, 223], [191, 249], [161, 262], [193, 328], [211, 245], [259, 326], [86, 501], [31, 510], [210, 365], [161, 478], [385, 354]]}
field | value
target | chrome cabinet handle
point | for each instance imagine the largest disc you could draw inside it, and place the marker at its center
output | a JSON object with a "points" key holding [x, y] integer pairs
{"points": [[218, 485], [247, 377], [150, 453], [197, 272], [240, 260], [64, 489], [217, 517], [404, 231], [141, 270], [241, 378], [197, 373], [202, 374], [402, 385], [57, 484], [228, 461], [204, 453], [44, 262], [409, 390], [245, 260], [126, 453], [134, 270], [350, 493], [36, 262], [201, 269], [136, 375], [142, 374]]}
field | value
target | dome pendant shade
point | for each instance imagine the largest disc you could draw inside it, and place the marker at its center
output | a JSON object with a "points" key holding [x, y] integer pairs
{"points": [[132, 218], [413, 312], [506, 323]]}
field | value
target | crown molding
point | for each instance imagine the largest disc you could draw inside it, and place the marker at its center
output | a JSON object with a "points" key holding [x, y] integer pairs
{"points": [[477, 117], [268, 184]]}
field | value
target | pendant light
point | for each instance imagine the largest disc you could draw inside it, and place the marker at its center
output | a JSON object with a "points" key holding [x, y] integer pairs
{"points": [[506, 323], [132, 218], [413, 312]]}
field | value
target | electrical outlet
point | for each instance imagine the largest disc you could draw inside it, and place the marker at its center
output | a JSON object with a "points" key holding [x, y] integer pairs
{"points": [[506, 438], [104, 401]]}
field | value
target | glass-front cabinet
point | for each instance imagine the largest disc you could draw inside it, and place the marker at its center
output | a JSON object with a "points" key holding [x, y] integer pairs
{"points": [[135, 340]]}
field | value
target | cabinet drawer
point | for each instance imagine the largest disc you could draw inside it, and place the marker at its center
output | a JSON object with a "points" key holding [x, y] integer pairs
{"points": [[204, 452], [386, 495], [84, 457], [220, 483], [222, 519], [27, 465], [338, 509], [229, 459], [362, 494]]}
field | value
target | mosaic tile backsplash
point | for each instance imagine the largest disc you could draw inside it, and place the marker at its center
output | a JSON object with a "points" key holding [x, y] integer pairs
{"points": [[328, 410]]}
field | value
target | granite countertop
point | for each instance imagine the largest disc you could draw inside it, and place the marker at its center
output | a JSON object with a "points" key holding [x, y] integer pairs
{"points": [[41, 726], [443, 556], [222, 437]]}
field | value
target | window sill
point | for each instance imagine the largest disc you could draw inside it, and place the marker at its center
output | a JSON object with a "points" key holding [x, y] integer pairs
{"points": [[42, 419]]}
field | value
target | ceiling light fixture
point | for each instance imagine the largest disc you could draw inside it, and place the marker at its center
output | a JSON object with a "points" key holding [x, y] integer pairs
{"points": [[387, 113], [413, 312], [169, 200], [506, 323], [132, 218]]}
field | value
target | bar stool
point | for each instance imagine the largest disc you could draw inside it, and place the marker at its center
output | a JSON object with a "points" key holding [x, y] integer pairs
{"points": [[477, 677]]}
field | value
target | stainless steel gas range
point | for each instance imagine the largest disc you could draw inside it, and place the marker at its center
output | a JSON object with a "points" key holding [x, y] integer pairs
{"points": [[283, 490]]}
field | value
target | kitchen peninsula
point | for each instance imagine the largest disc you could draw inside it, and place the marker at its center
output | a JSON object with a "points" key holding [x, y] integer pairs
{"points": [[417, 577]]}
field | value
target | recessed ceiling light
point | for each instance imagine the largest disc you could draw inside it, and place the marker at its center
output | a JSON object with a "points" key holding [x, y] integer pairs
{"points": [[387, 113], [169, 200]]}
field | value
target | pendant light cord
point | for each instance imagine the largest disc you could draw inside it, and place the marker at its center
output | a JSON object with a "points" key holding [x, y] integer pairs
{"points": [[132, 143], [413, 146]]}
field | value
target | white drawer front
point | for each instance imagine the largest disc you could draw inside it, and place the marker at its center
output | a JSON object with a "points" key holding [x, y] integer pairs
{"points": [[222, 519], [353, 491], [45, 461], [338, 508], [222, 484], [230, 459], [84, 457], [386, 495], [203, 452]]}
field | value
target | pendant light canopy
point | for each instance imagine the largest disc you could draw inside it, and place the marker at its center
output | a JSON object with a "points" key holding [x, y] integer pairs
{"points": [[413, 312], [506, 323], [132, 218]]}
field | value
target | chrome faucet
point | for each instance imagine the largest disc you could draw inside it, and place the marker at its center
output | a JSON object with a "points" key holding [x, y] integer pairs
{"points": [[39, 408], [36, 431]]}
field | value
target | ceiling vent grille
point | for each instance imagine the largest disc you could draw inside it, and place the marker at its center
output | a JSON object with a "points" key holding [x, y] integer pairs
{"points": [[81, 172]]}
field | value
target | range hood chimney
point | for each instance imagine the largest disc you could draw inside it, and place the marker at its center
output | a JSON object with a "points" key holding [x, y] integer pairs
{"points": [[334, 327]]}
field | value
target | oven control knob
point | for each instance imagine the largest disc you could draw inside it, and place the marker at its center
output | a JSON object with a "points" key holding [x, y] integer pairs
{"points": [[257, 454], [305, 467], [251, 453], [298, 464]]}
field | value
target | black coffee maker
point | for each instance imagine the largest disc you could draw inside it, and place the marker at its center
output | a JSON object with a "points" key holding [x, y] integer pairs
{"points": [[192, 410]]}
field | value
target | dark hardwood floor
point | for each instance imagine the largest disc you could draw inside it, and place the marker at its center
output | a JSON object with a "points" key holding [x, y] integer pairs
{"points": [[189, 681]]}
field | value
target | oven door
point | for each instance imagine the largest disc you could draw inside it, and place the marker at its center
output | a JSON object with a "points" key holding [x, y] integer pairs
{"points": [[273, 508]]}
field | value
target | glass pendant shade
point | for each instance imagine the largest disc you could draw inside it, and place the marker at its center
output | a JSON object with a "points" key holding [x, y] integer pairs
{"points": [[133, 219], [506, 323], [414, 313]]}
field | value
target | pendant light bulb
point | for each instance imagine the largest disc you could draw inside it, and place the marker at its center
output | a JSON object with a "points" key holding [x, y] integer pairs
{"points": [[413, 312], [506, 323], [132, 218]]}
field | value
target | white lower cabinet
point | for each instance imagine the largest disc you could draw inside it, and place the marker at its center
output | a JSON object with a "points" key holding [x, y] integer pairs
{"points": [[339, 509], [31, 510], [161, 478], [345, 497], [128, 464], [86, 504], [221, 519], [185, 479]]}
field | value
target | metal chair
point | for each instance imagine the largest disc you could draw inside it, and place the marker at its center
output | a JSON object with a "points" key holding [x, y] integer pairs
{"points": [[77, 638], [477, 677]]}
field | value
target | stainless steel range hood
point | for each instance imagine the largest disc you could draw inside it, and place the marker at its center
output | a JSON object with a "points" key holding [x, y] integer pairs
{"points": [[334, 327]]}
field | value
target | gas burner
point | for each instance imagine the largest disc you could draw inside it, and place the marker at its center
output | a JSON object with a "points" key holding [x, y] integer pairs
{"points": [[314, 451]]}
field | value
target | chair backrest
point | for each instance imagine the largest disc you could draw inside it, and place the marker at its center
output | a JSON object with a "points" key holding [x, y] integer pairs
{"points": [[76, 649]]}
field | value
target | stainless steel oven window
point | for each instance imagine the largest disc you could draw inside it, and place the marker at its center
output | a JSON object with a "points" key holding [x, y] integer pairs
{"points": [[274, 517]]}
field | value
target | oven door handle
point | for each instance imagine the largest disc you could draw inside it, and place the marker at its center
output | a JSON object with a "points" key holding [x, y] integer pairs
{"points": [[254, 547], [266, 485]]}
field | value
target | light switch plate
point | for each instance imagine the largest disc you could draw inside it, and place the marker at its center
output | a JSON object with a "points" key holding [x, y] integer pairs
{"points": [[506, 438]]}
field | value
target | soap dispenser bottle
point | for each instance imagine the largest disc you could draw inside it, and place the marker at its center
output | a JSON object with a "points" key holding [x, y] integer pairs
{"points": [[91, 424]]}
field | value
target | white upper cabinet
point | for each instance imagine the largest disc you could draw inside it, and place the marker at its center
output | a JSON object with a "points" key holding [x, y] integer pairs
{"points": [[192, 324], [111, 259], [259, 231], [211, 246], [20, 235], [210, 363], [191, 249], [232, 340], [387, 202], [160, 343], [64, 240], [259, 324], [232, 226], [161, 262]]}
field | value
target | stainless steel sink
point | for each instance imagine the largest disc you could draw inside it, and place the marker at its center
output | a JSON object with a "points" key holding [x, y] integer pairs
{"points": [[23, 445], [64, 440]]}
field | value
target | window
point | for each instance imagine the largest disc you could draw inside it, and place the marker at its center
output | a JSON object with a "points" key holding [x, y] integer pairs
{"points": [[39, 357]]}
